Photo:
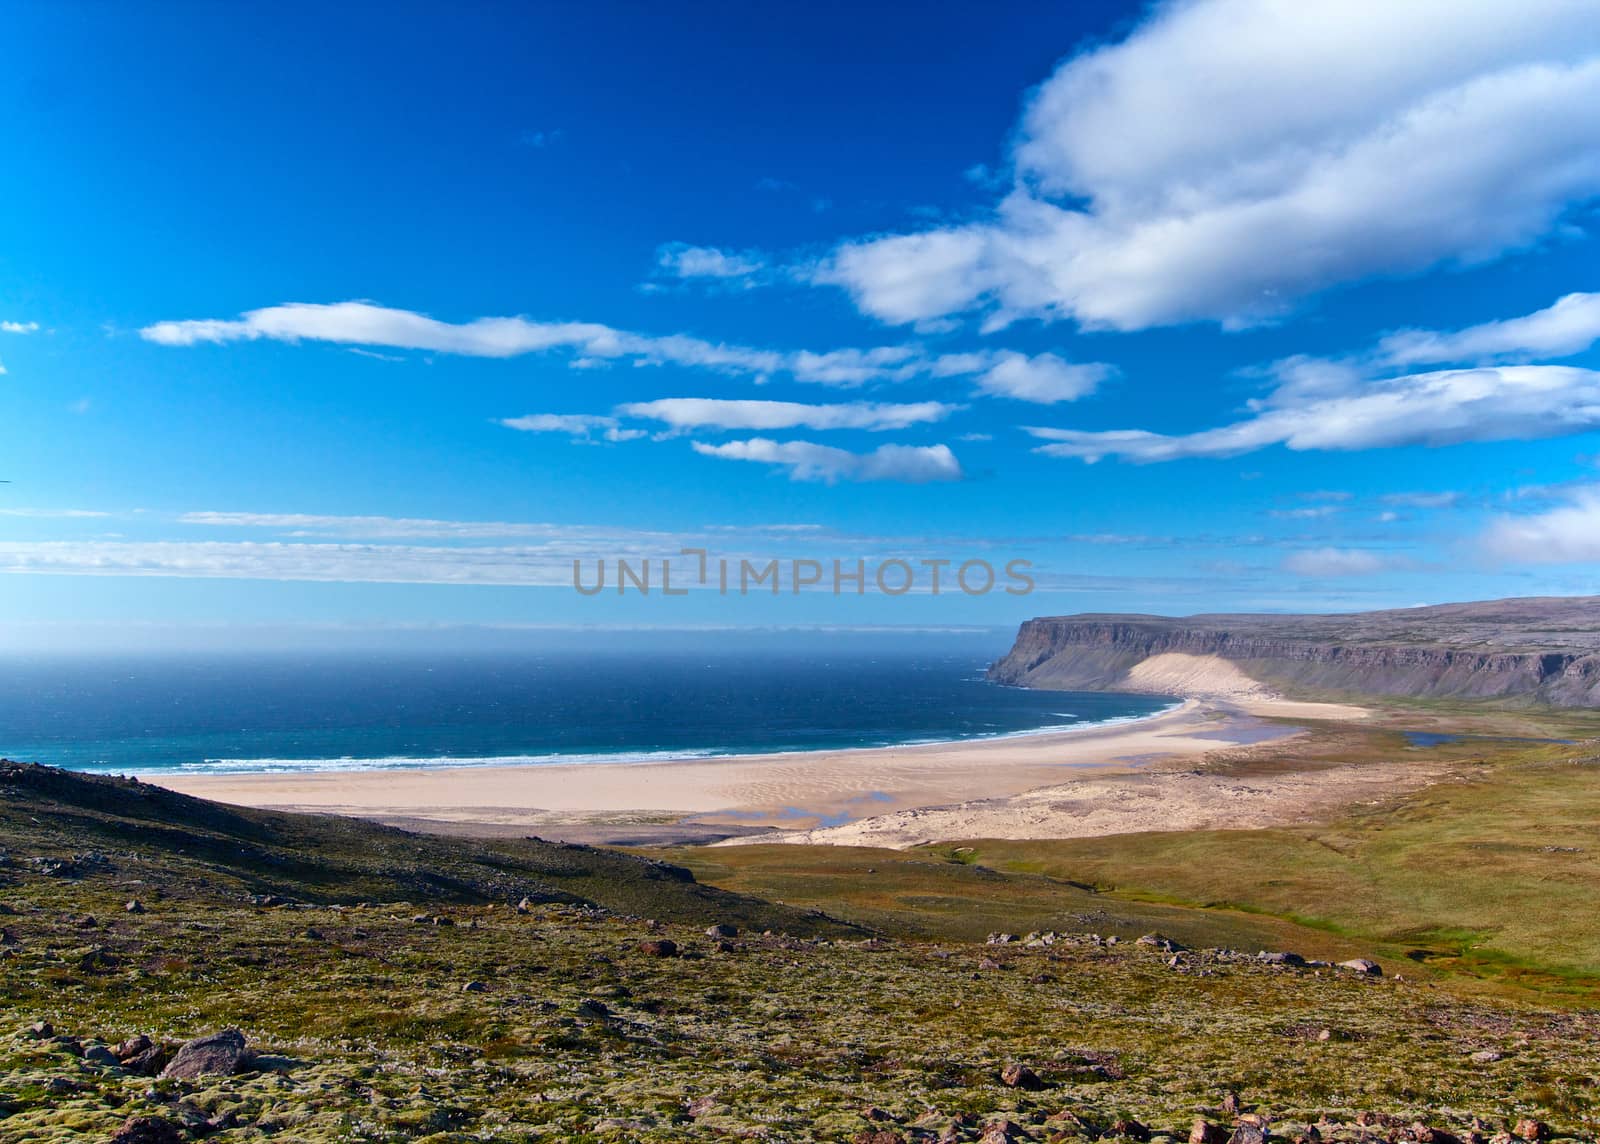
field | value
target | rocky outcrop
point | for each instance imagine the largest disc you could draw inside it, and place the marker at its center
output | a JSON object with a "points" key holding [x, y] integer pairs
{"points": [[1541, 650]]}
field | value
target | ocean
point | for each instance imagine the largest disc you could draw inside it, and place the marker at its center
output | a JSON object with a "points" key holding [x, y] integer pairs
{"points": [[339, 712]]}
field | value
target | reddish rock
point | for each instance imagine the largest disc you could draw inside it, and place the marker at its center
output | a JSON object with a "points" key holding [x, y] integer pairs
{"points": [[147, 1130], [216, 1054], [661, 948]]}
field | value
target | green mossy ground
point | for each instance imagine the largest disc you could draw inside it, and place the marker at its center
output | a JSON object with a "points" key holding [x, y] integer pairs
{"points": [[358, 993]]}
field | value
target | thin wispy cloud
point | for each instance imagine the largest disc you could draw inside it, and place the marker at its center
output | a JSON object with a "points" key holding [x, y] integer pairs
{"points": [[1319, 563], [1568, 326], [10, 327], [808, 461], [583, 426], [366, 324], [1502, 403], [686, 413], [1339, 143]]}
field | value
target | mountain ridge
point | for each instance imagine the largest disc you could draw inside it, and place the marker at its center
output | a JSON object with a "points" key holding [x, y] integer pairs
{"points": [[1543, 650]]}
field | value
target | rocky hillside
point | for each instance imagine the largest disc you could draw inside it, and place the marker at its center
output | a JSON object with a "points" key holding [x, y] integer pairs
{"points": [[1539, 649]]}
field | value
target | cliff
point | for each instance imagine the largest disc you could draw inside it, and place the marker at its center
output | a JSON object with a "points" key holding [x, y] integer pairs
{"points": [[1540, 649]]}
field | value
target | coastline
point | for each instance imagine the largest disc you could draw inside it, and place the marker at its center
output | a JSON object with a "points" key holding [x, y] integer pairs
{"points": [[782, 789], [705, 799]]}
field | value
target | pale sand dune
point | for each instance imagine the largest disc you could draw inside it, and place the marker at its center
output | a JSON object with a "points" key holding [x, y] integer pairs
{"points": [[1203, 676], [1212, 677], [786, 789]]}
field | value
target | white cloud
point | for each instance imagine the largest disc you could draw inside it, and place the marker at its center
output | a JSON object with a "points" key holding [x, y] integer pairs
{"points": [[580, 425], [1569, 534], [593, 344], [680, 260], [1045, 379], [1232, 156], [807, 461], [1447, 407], [1568, 326], [703, 412], [252, 560], [1422, 500], [19, 327], [1317, 512], [1321, 562], [54, 513]]}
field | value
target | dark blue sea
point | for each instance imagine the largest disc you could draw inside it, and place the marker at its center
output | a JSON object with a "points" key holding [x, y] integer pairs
{"points": [[332, 711]]}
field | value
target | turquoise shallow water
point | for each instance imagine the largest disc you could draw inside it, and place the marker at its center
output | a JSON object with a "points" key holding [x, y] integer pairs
{"points": [[364, 712]]}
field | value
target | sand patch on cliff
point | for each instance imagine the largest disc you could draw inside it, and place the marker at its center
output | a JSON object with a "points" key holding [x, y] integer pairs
{"points": [[1203, 676], [1214, 678]]}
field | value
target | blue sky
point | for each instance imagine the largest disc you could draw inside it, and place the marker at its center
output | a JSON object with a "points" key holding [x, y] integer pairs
{"points": [[340, 317]]}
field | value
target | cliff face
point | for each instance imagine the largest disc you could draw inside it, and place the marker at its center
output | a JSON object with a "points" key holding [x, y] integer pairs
{"points": [[1546, 651]]}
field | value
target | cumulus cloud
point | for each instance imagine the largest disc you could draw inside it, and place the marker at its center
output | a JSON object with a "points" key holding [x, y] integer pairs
{"points": [[1568, 326], [1323, 562], [1230, 157], [19, 327], [1569, 534], [808, 461], [366, 324], [683, 413], [1447, 407], [1045, 379], [680, 260]]}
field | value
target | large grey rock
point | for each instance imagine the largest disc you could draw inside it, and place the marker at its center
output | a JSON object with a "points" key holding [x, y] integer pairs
{"points": [[1362, 965], [216, 1054]]}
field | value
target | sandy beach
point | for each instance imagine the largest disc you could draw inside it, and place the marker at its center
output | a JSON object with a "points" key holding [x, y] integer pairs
{"points": [[706, 799]]}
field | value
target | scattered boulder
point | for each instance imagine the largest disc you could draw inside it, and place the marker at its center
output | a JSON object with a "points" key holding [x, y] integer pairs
{"points": [[1487, 1056], [102, 1056], [1250, 1130], [1205, 1132], [700, 1106], [1530, 1129], [1131, 1129], [1280, 958], [595, 1010], [1162, 942], [1362, 965], [216, 1054], [474, 987], [663, 947], [723, 931], [41, 1030], [525, 906], [1016, 1075], [134, 906], [147, 1130]]}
